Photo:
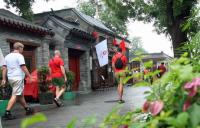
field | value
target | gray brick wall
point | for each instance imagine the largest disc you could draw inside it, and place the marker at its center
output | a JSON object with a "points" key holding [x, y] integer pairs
{"points": [[85, 77], [41, 51]]}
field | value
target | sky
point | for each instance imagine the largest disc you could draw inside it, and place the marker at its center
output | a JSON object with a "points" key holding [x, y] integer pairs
{"points": [[151, 41]]}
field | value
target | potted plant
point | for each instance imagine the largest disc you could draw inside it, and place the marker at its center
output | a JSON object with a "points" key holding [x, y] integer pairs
{"points": [[5, 93], [45, 96], [68, 95]]}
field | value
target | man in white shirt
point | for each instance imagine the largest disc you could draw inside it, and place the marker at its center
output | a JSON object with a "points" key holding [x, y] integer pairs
{"points": [[15, 69]]}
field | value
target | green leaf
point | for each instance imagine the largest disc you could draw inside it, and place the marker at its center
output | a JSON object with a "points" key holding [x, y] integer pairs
{"points": [[39, 117], [89, 122], [194, 115], [136, 59], [148, 64], [72, 123], [182, 120], [125, 80]]}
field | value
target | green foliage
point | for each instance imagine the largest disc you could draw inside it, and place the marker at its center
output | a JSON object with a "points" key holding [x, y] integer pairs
{"points": [[43, 70], [115, 120], [87, 8], [167, 16], [105, 15], [72, 123], [148, 64], [89, 122], [23, 7], [42, 74], [70, 79], [194, 115], [136, 47], [39, 117]]}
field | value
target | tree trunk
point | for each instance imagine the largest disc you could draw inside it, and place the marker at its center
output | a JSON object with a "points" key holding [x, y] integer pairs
{"points": [[178, 38]]}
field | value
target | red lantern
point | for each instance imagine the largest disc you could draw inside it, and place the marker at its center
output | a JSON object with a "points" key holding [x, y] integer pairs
{"points": [[114, 42], [95, 34]]}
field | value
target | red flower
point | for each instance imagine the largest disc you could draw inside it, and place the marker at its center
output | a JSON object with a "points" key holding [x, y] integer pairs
{"points": [[156, 107], [186, 105], [192, 87], [125, 126], [146, 106]]}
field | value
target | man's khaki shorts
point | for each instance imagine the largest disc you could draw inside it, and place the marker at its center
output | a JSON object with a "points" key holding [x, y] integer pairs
{"points": [[17, 86]]}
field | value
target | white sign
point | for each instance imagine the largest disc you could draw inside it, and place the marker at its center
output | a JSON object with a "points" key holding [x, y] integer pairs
{"points": [[2, 61], [102, 53]]}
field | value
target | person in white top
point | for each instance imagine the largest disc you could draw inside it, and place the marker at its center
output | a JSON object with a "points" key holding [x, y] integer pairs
{"points": [[15, 69]]}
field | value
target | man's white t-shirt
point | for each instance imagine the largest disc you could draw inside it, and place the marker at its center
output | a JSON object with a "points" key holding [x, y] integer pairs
{"points": [[13, 61]]}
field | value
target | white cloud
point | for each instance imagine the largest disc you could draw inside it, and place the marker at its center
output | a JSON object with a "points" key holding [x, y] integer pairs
{"points": [[41, 5], [152, 42]]}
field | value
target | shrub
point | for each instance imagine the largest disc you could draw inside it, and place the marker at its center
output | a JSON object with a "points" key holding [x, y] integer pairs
{"points": [[70, 80], [43, 73]]}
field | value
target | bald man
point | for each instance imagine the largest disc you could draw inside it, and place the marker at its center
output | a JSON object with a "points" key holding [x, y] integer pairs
{"points": [[59, 78]]}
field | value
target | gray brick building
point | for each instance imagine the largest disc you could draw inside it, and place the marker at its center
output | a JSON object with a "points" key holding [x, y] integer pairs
{"points": [[68, 30], [74, 34]]}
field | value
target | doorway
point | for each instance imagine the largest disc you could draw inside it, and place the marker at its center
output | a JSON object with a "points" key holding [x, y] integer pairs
{"points": [[74, 66]]}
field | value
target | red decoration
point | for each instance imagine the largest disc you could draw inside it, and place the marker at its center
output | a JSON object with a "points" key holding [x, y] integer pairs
{"points": [[114, 42], [122, 45], [95, 34]]}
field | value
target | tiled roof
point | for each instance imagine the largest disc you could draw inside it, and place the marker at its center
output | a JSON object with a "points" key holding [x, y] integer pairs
{"points": [[156, 55], [88, 19], [11, 20], [92, 21], [73, 29]]}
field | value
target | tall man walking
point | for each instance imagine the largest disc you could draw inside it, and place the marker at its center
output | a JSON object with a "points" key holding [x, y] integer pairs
{"points": [[59, 78], [16, 70], [119, 61]]}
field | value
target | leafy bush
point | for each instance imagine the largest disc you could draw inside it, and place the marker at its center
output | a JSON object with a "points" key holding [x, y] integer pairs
{"points": [[70, 80], [43, 73]]}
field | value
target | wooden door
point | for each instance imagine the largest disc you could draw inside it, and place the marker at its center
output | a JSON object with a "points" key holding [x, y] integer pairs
{"points": [[29, 57], [74, 66]]}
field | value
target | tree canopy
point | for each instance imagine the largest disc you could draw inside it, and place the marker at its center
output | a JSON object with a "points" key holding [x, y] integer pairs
{"points": [[167, 15], [104, 14], [23, 7], [136, 45]]}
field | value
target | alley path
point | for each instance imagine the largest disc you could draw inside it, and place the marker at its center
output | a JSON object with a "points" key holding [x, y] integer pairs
{"points": [[98, 103]]}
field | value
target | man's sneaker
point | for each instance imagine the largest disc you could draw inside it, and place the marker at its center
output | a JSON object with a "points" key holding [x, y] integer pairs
{"points": [[121, 101], [29, 111], [8, 116], [57, 102]]}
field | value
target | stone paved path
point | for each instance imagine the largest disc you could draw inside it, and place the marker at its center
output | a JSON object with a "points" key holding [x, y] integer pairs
{"points": [[98, 103]]}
